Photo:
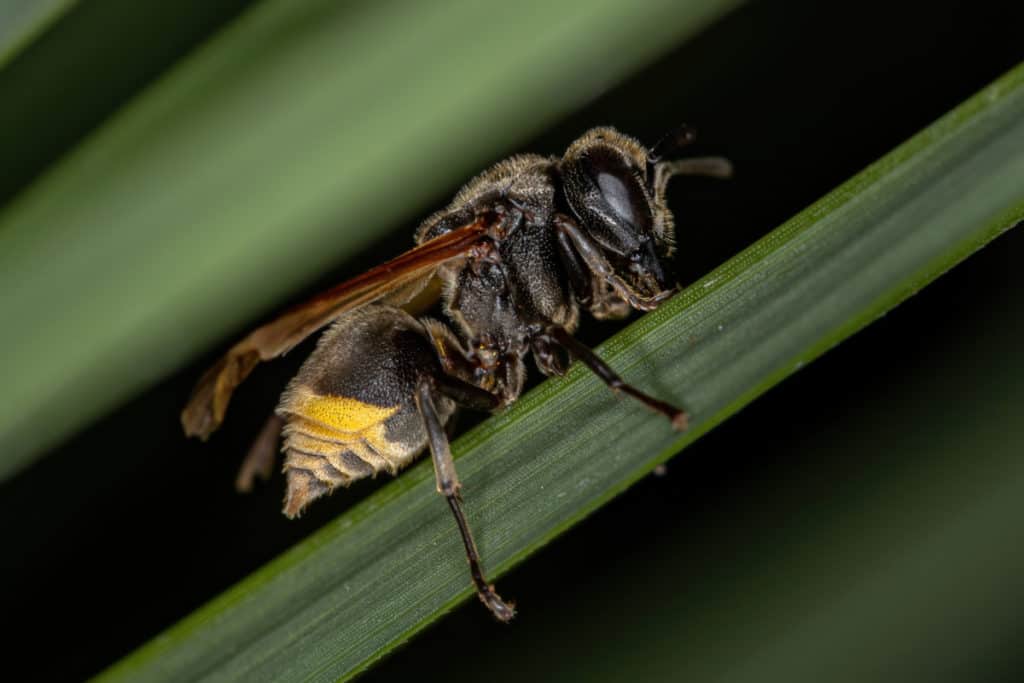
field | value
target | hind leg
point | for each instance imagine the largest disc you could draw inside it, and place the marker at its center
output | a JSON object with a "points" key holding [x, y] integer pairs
{"points": [[447, 478], [259, 461]]}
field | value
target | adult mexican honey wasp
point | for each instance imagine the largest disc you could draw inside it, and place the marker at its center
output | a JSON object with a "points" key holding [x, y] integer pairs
{"points": [[519, 251]]}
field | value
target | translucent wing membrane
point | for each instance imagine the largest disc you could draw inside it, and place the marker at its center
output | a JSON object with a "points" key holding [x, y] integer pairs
{"points": [[399, 280]]}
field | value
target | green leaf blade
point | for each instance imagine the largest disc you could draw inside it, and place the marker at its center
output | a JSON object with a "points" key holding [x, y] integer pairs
{"points": [[381, 571]]}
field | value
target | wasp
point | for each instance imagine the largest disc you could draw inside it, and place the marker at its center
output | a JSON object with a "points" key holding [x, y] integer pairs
{"points": [[519, 252]]}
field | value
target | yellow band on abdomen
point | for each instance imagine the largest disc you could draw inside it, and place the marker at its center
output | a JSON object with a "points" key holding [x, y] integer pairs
{"points": [[341, 413]]}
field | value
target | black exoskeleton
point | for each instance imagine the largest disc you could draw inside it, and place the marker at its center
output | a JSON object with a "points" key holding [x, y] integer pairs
{"points": [[588, 230]]}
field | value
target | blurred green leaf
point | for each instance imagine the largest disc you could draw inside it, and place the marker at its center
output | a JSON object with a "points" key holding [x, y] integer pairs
{"points": [[22, 20], [260, 160], [76, 63], [392, 564]]}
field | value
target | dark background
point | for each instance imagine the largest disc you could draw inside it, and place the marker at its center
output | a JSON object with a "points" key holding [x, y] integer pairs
{"points": [[130, 521]]}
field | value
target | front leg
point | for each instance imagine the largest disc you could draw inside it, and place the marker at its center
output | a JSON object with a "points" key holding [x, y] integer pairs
{"points": [[580, 278], [591, 255], [593, 293]]}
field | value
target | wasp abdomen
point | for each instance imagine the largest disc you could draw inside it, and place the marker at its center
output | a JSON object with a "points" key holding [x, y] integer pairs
{"points": [[350, 412]]}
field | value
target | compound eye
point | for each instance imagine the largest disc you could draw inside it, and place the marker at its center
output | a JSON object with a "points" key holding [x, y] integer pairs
{"points": [[620, 189], [621, 198]]}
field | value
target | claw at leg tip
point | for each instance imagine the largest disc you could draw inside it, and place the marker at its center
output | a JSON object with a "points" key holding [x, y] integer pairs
{"points": [[502, 611]]}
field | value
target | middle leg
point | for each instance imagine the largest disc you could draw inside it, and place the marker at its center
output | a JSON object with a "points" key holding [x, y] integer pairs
{"points": [[585, 355]]}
